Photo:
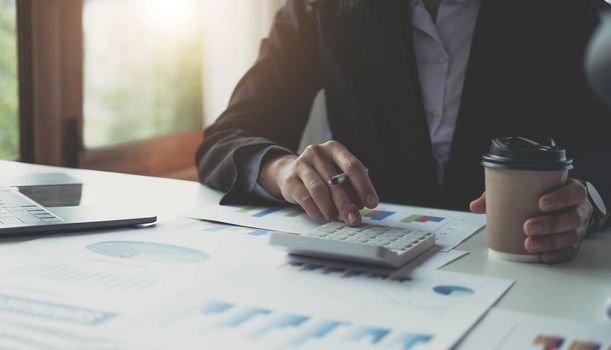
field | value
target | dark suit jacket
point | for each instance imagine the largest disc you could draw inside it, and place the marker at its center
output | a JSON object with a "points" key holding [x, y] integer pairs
{"points": [[524, 78]]}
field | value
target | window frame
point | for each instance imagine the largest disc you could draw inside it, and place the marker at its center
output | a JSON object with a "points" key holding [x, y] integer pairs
{"points": [[50, 49]]}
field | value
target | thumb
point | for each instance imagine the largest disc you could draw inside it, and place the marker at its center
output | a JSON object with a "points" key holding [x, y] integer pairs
{"points": [[478, 206]]}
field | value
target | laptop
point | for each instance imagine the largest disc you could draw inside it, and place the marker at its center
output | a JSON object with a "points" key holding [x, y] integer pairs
{"points": [[51, 202]]}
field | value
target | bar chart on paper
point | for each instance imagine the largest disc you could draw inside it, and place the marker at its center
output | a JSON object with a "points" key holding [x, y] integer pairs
{"points": [[563, 339], [196, 225], [508, 330], [450, 227], [281, 303], [234, 228], [229, 324], [342, 272]]}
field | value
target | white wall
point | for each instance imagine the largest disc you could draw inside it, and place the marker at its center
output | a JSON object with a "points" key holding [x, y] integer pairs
{"points": [[232, 31]]}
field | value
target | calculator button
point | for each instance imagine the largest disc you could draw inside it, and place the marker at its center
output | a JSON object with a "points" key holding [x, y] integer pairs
{"points": [[403, 244]]}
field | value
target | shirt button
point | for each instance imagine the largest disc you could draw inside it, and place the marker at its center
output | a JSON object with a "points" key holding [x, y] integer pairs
{"points": [[442, 59]]}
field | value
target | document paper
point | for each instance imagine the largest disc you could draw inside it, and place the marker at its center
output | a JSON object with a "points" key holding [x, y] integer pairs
{"points": [[307, 304], [195, 284], [450, 227]]}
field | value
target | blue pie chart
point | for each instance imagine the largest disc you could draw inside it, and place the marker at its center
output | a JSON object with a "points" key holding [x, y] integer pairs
{"points": [[453, 290], [148, 251]]}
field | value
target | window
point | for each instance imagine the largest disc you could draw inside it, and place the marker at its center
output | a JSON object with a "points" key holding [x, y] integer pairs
{"points": [[9, 122], [111, 84], [142, 69]]}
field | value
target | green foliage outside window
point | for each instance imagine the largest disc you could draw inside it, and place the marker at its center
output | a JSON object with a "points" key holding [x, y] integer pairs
{"points": [[9, 102], [142, 69]]}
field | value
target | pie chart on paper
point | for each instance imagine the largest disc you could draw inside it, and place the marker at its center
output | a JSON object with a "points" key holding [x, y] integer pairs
{"points": [[148, 251], [451, 290]]}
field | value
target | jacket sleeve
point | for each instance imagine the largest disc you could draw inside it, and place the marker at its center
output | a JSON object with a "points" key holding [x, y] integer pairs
{"points": [[592, 158], [268, 109]]}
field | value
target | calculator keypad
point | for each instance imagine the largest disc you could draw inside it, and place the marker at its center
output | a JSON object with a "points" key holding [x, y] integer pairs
{"points": [[396, 239]]}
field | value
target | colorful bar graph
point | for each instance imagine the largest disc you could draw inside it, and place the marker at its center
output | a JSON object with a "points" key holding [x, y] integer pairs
{"points": [[320, 330], [295, 330], [266, 212], [375, 335], [400, 279], [377, 215], [226, 227], [344, 272], [380, 276], [581, 345], [215, 307], [242, 317], [295, 213], [352, 273], [312, 267], [261, 211], [422, 219], [296, 263], [258, 233], [334, 269], [411, 340], [247, 209], [549, 342]]}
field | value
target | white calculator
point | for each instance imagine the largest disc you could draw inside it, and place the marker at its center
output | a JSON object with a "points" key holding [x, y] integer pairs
{"points": [[372, 244]]}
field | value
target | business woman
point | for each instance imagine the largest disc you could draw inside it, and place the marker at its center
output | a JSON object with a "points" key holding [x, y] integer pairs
{"points": [[415, 91]]}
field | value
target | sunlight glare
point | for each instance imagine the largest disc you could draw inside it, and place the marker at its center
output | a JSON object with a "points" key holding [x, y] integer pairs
{"points": [[174, 17]]}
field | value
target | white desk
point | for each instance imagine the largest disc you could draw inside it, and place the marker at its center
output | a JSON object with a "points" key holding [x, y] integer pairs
{"points": [[575, 290]]}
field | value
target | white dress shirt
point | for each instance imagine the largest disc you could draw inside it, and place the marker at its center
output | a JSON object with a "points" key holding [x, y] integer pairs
{"points": [[442, 49]]}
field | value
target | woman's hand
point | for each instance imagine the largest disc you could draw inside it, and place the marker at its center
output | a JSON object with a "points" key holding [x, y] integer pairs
{"points": [[557, 234], [303, 180]]}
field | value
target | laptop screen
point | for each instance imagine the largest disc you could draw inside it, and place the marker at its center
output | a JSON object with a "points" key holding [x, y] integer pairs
{"points": [[55, 195], [68, 195]]}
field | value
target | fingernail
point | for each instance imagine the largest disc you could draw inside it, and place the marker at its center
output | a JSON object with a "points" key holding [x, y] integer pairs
{"points": [[372, 202], [535, 245], [353, 219], [534, 228]]}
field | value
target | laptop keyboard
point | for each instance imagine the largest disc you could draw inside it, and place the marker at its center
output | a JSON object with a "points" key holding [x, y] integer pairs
{"points": [[17, 209]]}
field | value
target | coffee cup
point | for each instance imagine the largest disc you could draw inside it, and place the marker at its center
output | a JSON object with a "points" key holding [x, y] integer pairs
{"points": [[517, 172]]}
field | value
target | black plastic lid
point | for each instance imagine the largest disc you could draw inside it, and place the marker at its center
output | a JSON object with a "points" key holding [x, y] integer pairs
{"points": [[523, 154]]}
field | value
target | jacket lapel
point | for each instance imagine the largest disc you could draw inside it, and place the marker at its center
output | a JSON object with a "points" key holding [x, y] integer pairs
{"points": [[385, 37], [476, 117]]}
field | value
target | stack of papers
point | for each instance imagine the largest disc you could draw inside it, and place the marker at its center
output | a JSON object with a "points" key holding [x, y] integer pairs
{"points": [[192, 284]]}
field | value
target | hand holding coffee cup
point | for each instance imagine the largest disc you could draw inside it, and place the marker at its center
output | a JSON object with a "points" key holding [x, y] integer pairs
{"points": [[534, 212]]}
